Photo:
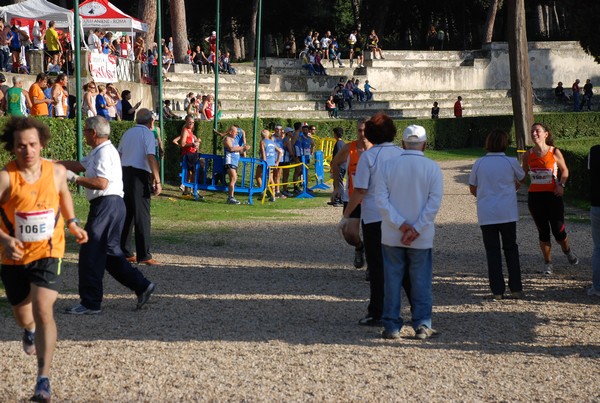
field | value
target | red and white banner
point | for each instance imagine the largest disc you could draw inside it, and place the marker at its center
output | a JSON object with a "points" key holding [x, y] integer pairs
{"points": [[103, 67]]}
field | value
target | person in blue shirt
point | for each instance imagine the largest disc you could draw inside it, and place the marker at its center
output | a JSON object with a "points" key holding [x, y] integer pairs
{"points": [[368, 89], [101, 107], [271, 153], [232, 158]]}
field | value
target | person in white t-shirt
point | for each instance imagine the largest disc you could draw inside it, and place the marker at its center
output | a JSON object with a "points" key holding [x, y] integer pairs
{"points": [[408, 198], [103, 185], [380, 131], [494, 180], [94, 41]]}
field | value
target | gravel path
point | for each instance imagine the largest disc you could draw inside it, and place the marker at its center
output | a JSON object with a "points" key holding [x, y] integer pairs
{"points": [[269, 312]]}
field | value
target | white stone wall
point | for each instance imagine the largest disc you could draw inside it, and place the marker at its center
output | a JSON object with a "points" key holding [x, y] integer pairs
{"points": [[550, 62]]}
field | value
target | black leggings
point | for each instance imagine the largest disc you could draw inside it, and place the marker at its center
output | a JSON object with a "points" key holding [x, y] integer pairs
{"points": [[548, 212]]}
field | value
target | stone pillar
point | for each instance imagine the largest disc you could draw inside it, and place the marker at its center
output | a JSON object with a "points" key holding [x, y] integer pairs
{"points": [[35, 61], [85, 70]]}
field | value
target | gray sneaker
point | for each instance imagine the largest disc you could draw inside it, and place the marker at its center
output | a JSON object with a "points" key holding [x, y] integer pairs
{"points": [[548, 268], [592, 292], [145, 296], [232, 200], [82, 310], [571, 257], [28, 342], [423, 332], [390, 335]]}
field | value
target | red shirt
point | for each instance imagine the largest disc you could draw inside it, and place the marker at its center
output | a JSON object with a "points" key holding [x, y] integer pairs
{"points": [[458, 109]]}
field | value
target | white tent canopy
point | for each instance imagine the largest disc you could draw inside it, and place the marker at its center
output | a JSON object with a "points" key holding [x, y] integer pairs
{"points": [[103, 14], [39, 10]]}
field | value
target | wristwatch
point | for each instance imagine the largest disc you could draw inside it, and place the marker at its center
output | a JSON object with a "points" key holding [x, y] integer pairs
{"points": [[562, 184], [75, 220]]}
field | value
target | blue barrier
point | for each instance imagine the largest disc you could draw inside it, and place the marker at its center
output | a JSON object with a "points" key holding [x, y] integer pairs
{"points": [[304, 193], [320, 172], [210, 175]]}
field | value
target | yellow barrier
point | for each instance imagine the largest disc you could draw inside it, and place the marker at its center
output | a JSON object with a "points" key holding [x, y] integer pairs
{"points": [[325, 144], [270, 188]]}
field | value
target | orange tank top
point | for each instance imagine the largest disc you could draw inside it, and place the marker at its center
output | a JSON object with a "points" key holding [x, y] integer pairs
{"points": [[353, 156], [542, 171], [32, 215]]}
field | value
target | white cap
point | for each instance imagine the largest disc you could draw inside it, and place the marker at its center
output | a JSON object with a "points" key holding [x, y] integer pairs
{"points": [[213, 32], [288, 129], [414, 134], [278, 127]]}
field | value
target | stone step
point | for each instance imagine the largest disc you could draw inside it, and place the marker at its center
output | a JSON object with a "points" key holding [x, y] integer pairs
{"points": [[187, 78], [423, 55], [298, 70], [356, 113]]}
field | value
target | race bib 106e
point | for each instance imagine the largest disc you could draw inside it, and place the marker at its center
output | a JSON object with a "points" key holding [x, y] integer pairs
{"points": [[34, 226]]}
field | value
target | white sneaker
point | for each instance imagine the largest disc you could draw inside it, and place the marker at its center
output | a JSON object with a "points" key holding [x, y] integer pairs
{"points": [[592, 292], [547, 269]]}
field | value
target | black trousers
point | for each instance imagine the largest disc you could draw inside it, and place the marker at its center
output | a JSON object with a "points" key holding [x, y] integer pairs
{"points": [[103, 252], [491, 240], [136, 184]]}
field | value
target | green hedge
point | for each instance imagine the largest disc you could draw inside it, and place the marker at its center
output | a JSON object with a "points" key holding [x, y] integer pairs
{"points": [[442, 134]]}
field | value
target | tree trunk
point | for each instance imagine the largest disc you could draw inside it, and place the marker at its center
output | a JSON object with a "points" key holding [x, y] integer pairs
{"points": [[180, 41], [237, 47], [381, 13], [356, 11], [244, 54], [147, 13], [490, 21], [252, 37], [541, 22], [520, 80]]}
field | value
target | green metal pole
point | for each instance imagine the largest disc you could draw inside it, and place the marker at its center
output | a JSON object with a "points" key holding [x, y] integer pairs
{"points": [[78, 94], [257, 64], [160, 83], [218, 46]]}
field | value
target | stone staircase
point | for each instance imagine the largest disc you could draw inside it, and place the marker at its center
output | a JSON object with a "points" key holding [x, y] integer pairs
{"points": [[407, 82]]}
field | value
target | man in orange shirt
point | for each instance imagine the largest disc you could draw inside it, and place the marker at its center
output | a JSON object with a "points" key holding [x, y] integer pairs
{"points": [[38, 98], [34, 198]]}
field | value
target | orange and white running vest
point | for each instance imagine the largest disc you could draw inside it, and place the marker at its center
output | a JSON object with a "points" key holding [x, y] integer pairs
{"points": [[32, 215], [542, 171]]}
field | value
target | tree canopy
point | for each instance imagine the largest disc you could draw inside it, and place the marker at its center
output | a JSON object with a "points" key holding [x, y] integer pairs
{"points": [[400, 24]]}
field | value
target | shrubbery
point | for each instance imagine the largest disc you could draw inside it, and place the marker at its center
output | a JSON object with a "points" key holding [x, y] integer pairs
{"points": [[442, 134]]}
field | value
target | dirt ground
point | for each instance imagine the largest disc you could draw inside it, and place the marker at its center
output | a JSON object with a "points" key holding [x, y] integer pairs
{"points": [[269, 312]]}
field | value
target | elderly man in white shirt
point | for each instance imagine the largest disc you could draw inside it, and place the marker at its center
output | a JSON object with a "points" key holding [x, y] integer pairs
{"points": [[409, 198], [104, 190], [141, 178]]}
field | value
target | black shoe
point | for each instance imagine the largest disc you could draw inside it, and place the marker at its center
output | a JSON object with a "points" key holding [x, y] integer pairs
{"points": [[359, 257], [145, 296], [370, 321]]}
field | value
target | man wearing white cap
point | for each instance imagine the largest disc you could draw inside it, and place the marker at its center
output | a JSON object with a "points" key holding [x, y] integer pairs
{"points": [[212, 41], [409, 198]]}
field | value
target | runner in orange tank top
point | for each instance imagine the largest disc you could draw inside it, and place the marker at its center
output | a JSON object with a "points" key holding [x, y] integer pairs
{"points": [[34, 197], [350, 154], [543, 162]]}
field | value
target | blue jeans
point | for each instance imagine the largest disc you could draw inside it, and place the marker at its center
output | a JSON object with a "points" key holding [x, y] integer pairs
{"points": [[576, 96], [595, 217], [418, 264]]}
